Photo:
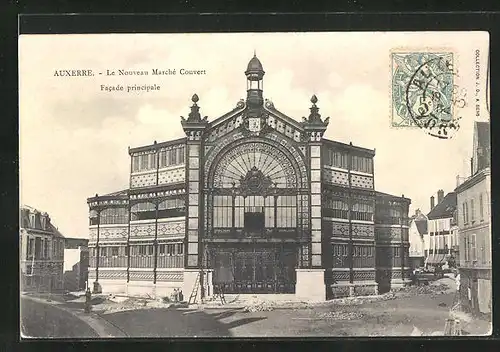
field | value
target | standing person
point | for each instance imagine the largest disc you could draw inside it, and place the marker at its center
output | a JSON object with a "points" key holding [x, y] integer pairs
{"points": [[88, 298]]}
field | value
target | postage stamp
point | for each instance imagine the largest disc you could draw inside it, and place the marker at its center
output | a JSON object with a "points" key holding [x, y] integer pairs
{"points": [[423, 92]]}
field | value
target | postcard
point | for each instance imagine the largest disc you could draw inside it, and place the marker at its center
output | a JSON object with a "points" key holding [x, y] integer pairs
{"points": [[319, 184]]}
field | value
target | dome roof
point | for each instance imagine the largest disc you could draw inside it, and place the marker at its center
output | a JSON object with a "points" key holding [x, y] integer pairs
{"points": [[254, 65], [254, 69]]}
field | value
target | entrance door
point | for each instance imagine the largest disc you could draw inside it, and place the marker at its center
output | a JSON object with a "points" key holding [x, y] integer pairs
{"points": [[255, 269]]}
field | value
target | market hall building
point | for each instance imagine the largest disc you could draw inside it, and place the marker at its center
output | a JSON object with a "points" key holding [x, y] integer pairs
{"points": [[250, 202]]}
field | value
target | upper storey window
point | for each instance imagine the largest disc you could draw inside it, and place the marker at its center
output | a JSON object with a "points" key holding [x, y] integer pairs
{"points": [[144, 162], [362, 164], [166, 157], [172, 156], [341, 160], [336, 159], [109, 216]]}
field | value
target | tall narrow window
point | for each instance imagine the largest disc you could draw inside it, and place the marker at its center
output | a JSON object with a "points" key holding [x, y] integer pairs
{"points": [[152, 160], [269, 211], [142, 250], [472, 213], [223, 211], [144, 162], [286, 209], [46, 248], [180, 248], [170, 249], [173, 157], [481, 207], [464, 252], [464, 214], [181, 155], [473, 247]]}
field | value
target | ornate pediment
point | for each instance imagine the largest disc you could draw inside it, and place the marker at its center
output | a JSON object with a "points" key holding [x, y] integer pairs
{"points": [[255, 122]]}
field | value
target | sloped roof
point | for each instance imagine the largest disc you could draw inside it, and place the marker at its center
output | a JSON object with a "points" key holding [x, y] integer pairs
{"points": [[123, 192], [388, 195], [25, 223], [421, 226], [445, 209], [55, 231]]}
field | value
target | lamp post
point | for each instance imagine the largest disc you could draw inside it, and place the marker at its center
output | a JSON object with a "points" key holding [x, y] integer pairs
{"points": [[97, 209]]}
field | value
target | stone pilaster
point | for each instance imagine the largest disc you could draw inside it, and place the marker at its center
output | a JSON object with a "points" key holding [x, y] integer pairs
{"points": [[316, 228], [194, 127]]}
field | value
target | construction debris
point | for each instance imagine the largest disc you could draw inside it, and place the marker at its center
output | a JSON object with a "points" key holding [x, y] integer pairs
{"points": [[339, 315], [438, 288], [259, 306]]}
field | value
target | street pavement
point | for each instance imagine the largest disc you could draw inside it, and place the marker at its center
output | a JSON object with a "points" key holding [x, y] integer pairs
{"points": [[43, 320]]}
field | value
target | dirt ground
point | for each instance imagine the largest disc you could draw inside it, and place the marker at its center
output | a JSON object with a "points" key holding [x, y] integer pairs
{"points": [[414, 311]]}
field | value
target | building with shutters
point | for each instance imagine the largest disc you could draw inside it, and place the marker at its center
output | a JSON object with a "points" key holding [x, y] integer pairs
{"points": [[253, 201], [41, 252], [441, 235], [474, 226]]}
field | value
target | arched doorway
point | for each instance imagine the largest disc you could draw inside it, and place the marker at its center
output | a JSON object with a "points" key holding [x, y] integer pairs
{"points": [[256, 218]]}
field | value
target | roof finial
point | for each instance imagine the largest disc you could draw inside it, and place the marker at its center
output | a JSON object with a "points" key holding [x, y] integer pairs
{"points": [[254, 53]]}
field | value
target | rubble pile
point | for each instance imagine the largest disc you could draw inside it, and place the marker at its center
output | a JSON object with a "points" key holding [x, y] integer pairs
{"points": [[259, 306], [340, 315], [438, 288], [364, 299], [124, 304]]}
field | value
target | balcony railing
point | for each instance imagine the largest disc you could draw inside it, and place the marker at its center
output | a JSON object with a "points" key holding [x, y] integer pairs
{"points": [[170, 261]]}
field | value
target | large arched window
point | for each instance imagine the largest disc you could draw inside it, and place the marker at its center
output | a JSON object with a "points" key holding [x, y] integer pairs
{"points": [[255, 188], [238, 162]]}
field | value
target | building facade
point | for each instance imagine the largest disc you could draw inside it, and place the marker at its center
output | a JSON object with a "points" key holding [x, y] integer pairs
{"points": [[417, 233], [474, 226], [76, 264], [251, 202], [441, 237], [41, 252]]}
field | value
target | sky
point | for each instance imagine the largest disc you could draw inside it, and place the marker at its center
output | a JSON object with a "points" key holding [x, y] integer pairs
{"points": [[74, 136]]}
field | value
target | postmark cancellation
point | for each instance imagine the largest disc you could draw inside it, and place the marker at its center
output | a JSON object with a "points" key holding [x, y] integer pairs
{"points": [[424, 93]]}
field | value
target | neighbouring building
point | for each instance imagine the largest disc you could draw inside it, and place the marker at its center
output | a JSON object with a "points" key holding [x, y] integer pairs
{"points": [[417, 233], [441, 237], [474, 226], [76, 264], [251, 202], [41, 252]]}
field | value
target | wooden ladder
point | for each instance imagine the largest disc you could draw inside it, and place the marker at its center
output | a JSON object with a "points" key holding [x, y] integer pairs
{"points": [[194, 292], [452, 327]]}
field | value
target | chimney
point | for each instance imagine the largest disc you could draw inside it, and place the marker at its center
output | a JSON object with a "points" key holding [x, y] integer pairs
{"points": [[432, 202], [417, 212], [440, 196]]}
